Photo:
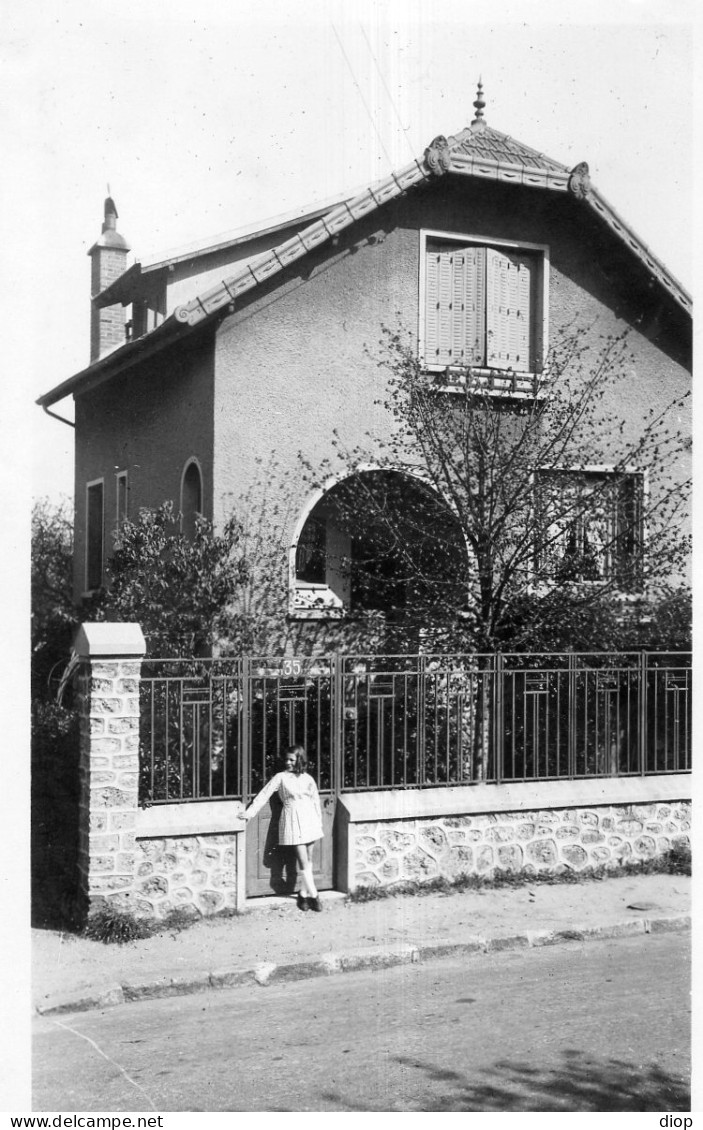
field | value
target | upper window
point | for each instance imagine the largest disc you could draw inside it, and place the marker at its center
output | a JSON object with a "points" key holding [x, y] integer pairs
{"points": [[95, 510], [590, 525], [483, 304]]}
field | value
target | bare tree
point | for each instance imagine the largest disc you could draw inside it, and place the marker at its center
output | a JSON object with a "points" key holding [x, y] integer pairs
{"points": [[511, 518]]}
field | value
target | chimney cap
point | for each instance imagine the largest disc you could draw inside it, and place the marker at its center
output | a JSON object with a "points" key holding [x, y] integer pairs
{"points": [[110, 237]]}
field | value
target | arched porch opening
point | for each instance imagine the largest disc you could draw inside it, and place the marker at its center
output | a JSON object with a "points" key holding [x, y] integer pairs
{"points": [[378, 540]]}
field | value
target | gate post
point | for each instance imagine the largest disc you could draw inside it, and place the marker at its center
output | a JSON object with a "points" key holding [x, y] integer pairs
{"points": [[108, 702], [245, 744], [337, 724]]}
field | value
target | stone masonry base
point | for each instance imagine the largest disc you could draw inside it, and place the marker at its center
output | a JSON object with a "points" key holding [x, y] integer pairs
{"points": [[381, 853], [198, 873]]}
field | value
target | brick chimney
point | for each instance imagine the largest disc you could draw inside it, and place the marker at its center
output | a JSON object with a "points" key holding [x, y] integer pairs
{"points": [[109, 261]]}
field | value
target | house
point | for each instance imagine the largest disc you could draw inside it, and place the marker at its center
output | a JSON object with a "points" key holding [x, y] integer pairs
{"points": [[207, 361]]}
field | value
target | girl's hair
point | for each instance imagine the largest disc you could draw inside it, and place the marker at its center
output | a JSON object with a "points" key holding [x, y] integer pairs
{"points": [[301, 758]]}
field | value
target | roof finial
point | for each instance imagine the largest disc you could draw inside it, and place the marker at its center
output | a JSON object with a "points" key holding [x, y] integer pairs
{"points": [[479, 105]]}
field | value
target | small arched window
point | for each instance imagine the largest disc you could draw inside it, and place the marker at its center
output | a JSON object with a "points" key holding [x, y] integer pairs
{"points": [[191, 498]]}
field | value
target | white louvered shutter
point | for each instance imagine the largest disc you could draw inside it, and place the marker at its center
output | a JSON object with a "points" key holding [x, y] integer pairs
{"points": [[455, 306], [431, 307], [508, 316], [470, 306], [445, 303]]}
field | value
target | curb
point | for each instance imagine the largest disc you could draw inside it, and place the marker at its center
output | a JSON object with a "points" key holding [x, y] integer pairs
{"points": [[268, 973]]}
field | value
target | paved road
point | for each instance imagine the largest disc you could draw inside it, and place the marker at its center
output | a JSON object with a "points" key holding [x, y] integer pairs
{"points": [[601, 1026]]}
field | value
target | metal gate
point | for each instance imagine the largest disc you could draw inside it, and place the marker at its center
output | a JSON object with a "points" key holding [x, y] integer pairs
{"points": [[290, 701]]}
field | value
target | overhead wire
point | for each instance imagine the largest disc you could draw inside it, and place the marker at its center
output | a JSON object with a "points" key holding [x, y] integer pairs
{"points": [[387, 90], [356, 84]]}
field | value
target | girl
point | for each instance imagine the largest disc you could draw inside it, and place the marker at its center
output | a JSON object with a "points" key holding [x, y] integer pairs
{"points": [[301, 821]]}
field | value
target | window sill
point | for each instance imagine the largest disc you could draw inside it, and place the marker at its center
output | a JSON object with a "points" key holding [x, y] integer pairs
{"points": [[492, 382], [315, 602]]}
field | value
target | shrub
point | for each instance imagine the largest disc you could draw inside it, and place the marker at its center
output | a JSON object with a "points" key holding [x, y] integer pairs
{"points": [[115, 927], [54, 812]]}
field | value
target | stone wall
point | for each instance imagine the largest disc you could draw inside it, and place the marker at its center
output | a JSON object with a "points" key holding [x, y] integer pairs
{"points": [[545, 840], [192, 873]]}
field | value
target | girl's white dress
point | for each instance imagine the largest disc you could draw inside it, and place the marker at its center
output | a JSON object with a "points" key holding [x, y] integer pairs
{"points": [[301, 819]]}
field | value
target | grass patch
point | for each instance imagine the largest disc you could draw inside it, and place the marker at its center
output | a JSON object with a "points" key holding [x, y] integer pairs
{"points": [[118, 927], [115, 927], [676, 861]]}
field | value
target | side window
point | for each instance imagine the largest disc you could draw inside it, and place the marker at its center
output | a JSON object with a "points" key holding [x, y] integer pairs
{"points": [[191, 498], [320, 577], [95, 510], [483, 306]]}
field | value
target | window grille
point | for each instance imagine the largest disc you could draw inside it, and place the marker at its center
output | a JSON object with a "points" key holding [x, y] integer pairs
{"points": [[590, 527]]}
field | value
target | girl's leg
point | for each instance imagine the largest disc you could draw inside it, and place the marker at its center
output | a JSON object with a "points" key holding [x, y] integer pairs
{"points": [[305, 858], [301, 853]]}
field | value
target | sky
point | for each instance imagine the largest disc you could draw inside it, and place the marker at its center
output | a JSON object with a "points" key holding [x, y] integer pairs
{"points": [[206, 117], [202, 119]]}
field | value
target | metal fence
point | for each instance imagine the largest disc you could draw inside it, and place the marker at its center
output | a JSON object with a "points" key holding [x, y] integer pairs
{"points": [[215, 728]]}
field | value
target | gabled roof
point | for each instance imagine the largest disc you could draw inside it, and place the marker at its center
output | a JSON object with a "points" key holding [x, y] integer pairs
{"points": [[121, 289], [477, 151]]}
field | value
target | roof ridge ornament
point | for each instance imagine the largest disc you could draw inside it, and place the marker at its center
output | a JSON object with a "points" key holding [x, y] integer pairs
{"points": [[580, 180], [438, 157], [479, 106]]}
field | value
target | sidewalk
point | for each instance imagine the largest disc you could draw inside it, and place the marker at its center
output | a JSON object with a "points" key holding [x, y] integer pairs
{"points": [[273, 941]]}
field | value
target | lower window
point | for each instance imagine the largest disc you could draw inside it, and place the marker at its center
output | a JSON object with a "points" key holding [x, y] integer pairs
{"points": [[590, 527]]}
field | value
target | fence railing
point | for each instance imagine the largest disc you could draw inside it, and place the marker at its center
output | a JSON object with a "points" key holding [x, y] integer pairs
{"points": [[215, 728]]}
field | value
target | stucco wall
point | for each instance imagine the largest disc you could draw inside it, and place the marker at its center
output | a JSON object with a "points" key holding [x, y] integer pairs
{"points": [[148, 423]]}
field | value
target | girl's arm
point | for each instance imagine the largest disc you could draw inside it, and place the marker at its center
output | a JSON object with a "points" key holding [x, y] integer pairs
{"points": [[260, 799]]}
